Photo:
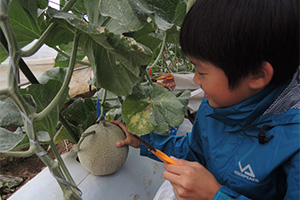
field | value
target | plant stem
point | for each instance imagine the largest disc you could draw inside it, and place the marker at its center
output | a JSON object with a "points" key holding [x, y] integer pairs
{"points": [[67, 56], [63, 89], [160, 52], [157, 58], [67, 126], [84, 135], [12, 45], [27, 153], [102, 105], [62, 163], [39, 42]]}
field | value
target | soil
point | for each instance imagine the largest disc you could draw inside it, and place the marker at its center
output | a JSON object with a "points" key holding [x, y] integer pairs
{"points": [[27, 168]]}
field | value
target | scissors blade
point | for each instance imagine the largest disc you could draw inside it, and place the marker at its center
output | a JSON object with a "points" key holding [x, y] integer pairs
{"points": [[149, 146], [162, 156]]}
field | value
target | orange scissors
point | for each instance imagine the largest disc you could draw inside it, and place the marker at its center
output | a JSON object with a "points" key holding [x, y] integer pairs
{"points": [[161, 155], [162, 78]]}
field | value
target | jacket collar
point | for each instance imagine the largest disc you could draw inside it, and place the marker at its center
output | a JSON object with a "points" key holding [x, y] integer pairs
{"points": [[243, 114]]}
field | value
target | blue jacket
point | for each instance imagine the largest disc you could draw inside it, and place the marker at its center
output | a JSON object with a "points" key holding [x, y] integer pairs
{"points": [[226, 142]]}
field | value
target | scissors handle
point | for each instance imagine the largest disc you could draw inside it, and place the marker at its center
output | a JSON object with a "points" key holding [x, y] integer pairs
{"points": [[163, 157]]}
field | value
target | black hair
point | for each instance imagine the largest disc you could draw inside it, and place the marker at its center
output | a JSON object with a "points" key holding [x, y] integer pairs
{"points": [[239, 35]]}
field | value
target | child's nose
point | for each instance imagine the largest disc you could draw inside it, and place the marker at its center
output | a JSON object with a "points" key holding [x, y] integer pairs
{"points": [[196, 79]]}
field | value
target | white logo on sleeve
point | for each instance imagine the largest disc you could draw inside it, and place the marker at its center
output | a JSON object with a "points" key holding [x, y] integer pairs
{"points": [[246, 172]]}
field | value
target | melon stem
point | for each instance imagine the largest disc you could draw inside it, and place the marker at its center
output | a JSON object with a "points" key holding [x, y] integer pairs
{"points": [[84, 135]]}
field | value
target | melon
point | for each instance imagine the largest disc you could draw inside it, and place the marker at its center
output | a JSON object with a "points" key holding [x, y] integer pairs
{"points": [[98, 153]]}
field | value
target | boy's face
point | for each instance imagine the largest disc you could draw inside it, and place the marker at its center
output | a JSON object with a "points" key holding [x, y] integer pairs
{"points": [[214, 83]]}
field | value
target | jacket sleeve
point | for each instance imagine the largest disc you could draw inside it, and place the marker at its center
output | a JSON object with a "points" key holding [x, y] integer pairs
{"points": [[292, 170], [225, 193], [177, 146]]}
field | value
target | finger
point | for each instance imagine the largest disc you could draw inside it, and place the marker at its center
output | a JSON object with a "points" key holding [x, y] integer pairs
{"points": [[122, 126], [118, 123], [122, 143], [171, 177]]}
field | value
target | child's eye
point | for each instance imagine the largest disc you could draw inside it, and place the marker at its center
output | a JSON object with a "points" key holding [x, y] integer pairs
{"points": [[202, 74]]}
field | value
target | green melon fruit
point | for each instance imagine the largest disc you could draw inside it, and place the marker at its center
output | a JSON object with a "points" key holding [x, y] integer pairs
{"points": [[98, 153]]}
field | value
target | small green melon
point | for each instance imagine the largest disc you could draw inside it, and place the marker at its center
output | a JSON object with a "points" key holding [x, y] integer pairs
{"points": [[98, 153]]}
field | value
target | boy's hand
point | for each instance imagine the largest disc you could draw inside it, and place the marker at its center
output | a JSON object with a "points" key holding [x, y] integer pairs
{"points": [[168, 80], [129, 140], [190, 180]]}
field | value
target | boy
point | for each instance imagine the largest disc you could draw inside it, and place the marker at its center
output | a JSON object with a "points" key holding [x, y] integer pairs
{"points": [[245, 138]]}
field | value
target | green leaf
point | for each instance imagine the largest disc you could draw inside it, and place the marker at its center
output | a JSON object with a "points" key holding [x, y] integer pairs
{"points": [[180, 13], [43, 137], [81, 111], [152, 108], [60, 35], [63, 134], [42, 4], [183, 96], [111, 101], [145, 36], [55, 73], [61, 60], [96, 19], [124, 13], [43, 94], [78, 9], [80, 114], [10, 115], [134, 13], [3, 53], [9, 140], [93, 14], [116, 60], [23, 143], [26, 20]]}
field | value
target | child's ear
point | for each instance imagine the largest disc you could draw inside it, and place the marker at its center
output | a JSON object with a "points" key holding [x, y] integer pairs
{"points": [[262, 78]]}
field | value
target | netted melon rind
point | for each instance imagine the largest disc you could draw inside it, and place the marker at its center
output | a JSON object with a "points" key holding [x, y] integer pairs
{"points": [[98, 153]]}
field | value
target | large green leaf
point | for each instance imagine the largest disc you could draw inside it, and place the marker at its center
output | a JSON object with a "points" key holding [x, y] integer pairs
{"points": [[26, 20], [80, 114], [96, 19], [110, 72], [93, 14], [59, 36], [116, 60], [147, 37], [134, 13], [55, 73], [43, 94], [9, 140], [9, 115], [125, 13], [152, 108]]}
